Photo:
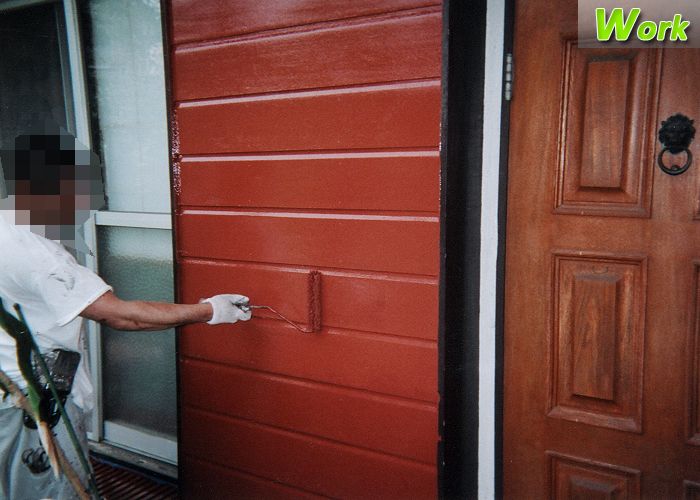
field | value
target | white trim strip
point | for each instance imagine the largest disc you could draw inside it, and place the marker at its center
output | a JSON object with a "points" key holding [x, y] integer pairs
{"points": [[495, 30], [77, 73], [134, 219], [141, 442]]}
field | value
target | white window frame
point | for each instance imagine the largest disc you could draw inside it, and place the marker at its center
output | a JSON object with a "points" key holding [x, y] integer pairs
{"points": [[111, 433]]}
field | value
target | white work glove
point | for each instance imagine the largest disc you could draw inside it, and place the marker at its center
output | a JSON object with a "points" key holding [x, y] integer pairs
{"points": [[227, 310]]}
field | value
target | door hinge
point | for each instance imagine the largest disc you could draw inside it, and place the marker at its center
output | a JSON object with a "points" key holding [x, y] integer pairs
{"points": [[508, 78]]}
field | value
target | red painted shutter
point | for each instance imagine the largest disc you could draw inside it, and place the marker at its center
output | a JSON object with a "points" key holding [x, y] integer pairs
{"points": [[307, 138]]}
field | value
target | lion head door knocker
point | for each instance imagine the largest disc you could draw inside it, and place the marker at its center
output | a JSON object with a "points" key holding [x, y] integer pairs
{"points": [[676, 134]]}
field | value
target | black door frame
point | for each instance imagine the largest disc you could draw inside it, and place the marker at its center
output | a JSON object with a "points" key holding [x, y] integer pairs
{"points": [[462, 142]]}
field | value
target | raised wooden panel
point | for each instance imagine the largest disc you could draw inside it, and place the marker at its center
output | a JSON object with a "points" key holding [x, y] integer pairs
{"points": [[388, 116], [257, 449], [694, 350], [382, 423], [381, 50], [691, 490], [598, 339], [196, 20], [377, 363], [204, 480], [610, 99], [575, 478], [367, 302], [368, 242], [340, 181]]}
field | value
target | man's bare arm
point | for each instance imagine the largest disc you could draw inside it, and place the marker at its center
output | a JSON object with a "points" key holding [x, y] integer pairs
{"points": [[140, 315]]}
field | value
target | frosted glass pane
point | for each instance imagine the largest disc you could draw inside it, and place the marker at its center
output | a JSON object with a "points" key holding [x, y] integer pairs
{"points": [[139, 376], [126, 68]]}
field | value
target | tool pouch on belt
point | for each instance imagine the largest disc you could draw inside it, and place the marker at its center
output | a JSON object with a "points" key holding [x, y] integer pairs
{"points": [[62, 365]]}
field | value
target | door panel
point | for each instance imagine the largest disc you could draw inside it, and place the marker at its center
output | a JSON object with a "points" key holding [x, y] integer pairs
{"points": [[598, 339], [610, 99], [601, 282], [306, 137]]}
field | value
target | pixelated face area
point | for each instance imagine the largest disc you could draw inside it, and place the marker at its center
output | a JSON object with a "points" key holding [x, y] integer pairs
{"points": [[52, 183]]}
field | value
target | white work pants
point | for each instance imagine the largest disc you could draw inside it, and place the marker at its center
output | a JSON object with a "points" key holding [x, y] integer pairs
{"points": [[17, 481]]}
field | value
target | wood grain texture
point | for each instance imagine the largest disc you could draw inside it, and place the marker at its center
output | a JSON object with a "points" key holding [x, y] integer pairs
{"points": [[205, 480], [385, 50], [666, 235], [192, 20], [405, 181], [306, 137], [366, 420], [399, 116], [385, 365], [598, 339], [369, 302], [255, 449], [610, 100], [575, 478], [372, 243]]}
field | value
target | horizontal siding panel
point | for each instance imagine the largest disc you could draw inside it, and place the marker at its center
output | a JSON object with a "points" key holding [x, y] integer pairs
{"points": [[317, 466], [372, 181], [386, 365], [391, 49], [384, 424], [371, 303], [392, 116], [192, 20], [206, 481], [389, 244]]}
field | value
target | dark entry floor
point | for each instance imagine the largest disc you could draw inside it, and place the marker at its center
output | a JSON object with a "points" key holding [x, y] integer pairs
{"points": [[119, 483]]}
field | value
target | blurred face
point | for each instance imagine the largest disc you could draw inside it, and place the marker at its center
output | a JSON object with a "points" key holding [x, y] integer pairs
{"points": [[53, 183], [45, 209]]}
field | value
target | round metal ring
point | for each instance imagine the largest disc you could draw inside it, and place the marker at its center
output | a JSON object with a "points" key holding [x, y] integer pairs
{"points": [[675, 169]]}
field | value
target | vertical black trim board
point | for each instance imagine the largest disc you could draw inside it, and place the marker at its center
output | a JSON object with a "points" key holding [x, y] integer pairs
{"points": [[501, 260], [464, 31]]}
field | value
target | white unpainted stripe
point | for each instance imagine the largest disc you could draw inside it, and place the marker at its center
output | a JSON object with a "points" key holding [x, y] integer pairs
{"points": [[495, 29], [313, 93], [306, 215], [316, 156]]}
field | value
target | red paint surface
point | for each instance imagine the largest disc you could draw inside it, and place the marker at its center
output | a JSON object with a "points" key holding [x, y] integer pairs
{"points": [[328, 468], [399, 49], [307, 138], [388, 365], [360, 418], [396, 116], [193, 20], [369, 302], [341, 181], [369, 242]]}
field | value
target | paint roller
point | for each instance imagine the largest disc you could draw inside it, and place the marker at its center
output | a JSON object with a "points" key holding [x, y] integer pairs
{"points": [[314, 303]]}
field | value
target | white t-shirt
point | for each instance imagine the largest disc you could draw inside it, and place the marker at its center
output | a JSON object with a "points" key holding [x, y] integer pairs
{"points": [[52, 289]]}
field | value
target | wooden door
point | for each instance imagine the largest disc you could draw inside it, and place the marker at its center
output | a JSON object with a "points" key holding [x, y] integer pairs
{"points": [[306, 137], [603, 267]]}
